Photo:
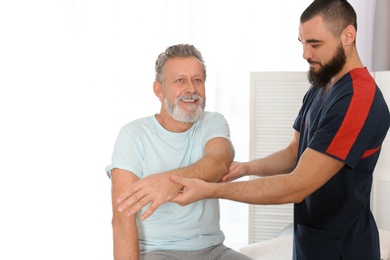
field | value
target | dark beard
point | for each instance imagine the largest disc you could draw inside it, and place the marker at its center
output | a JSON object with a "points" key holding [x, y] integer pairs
{"points": [[321, 78]]}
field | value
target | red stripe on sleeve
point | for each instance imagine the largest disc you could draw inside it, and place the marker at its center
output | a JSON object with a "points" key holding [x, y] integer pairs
{"points": [[363, 96], [370, 152]]}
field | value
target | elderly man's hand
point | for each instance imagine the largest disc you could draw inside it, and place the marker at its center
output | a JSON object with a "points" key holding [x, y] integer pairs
{"points": [[155, 189]]}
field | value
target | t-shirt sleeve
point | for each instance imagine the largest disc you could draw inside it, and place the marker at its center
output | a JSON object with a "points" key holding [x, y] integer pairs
{"points": [[218, 127], [340, 133], [127, 154]]}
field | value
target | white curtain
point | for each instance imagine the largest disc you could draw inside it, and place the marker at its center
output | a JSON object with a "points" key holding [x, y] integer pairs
{"points": [[373, 38], [72, 72], [365, 10], [381, 46]]}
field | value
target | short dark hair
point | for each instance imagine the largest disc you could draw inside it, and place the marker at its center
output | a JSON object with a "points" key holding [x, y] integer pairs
{"points": [[179, 50], [337, 14]]}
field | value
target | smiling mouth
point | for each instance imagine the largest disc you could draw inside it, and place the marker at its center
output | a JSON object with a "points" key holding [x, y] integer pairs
{"points": [[189, 100]]}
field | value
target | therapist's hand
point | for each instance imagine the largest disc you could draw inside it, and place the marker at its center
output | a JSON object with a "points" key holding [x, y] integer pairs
{"points": [[155, 189], [236, 170], [193, 190]]}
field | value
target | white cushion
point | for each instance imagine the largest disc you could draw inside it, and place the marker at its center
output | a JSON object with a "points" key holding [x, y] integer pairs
{"points": [[279, 248], [384, 237]]}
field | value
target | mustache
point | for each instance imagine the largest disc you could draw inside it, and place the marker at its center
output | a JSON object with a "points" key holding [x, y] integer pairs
{"points": [[313, 62]]}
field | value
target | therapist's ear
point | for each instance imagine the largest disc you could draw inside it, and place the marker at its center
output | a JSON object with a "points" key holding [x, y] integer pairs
{"points": [[348, 35]]}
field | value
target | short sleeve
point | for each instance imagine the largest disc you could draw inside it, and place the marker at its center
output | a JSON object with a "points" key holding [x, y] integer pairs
{"points": [[127, 154]]}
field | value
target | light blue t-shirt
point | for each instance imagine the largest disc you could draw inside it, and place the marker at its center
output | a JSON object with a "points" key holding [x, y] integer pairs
{"points": [[144, 147]]}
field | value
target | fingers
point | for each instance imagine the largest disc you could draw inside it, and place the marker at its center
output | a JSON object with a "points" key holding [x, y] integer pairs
{"points": [[233, 165], [150, 192], [132, 204], [232, 169], [132, 200], [151, 209], [229, 177], [235, 172], [225, 178], [127, 193], [179, 199], [178, 179], [136, 203], [189, 192]]}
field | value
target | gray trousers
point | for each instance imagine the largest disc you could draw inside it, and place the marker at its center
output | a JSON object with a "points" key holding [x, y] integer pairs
{"points": [[219, 252]]}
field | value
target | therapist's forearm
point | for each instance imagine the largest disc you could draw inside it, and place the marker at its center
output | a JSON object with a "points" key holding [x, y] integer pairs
{"points": [[265, 190]]}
